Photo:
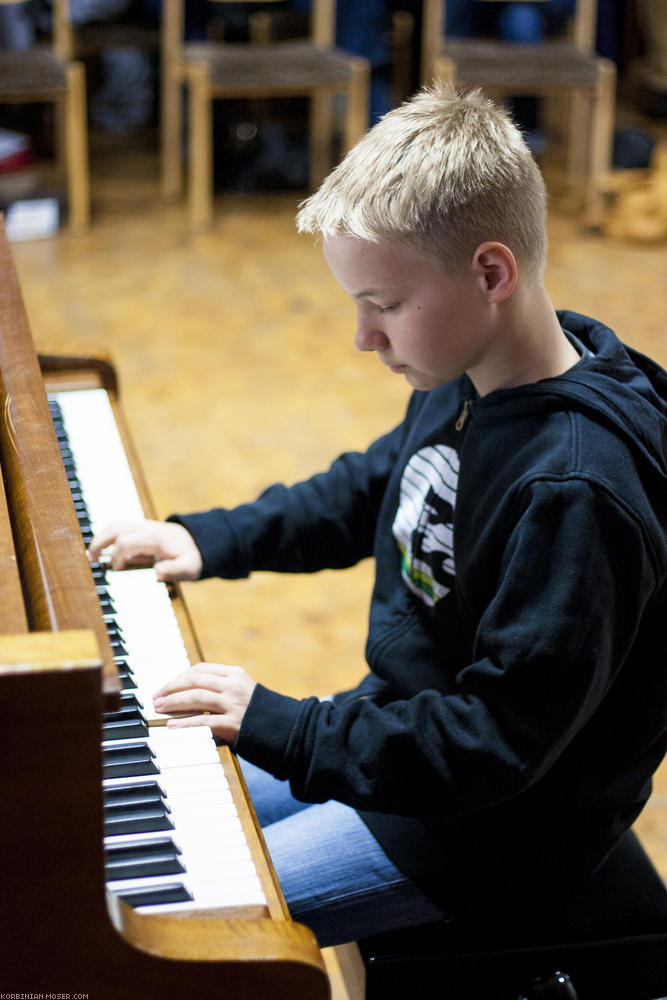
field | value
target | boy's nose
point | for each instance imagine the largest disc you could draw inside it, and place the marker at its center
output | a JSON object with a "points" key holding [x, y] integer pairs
{"points": [[368, 337]]}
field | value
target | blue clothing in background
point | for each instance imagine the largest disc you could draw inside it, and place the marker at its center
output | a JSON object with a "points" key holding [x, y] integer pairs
{"points": [[362, 27], [513, 22]]}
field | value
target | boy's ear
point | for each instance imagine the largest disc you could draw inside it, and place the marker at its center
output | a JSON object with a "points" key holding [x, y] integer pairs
{"points": [[495, 266]]}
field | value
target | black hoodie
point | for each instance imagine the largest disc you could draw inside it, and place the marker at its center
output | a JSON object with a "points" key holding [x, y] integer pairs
{"points": [[516, 706]]}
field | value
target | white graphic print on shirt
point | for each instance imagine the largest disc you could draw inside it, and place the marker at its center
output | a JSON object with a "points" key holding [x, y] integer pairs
{"points": [[424, 523]]}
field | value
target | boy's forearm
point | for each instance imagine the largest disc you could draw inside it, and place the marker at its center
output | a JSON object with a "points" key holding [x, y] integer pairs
{"points": [[325, 522]]}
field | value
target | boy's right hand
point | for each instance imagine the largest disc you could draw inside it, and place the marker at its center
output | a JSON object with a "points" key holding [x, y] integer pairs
{"points": [[168, 547]]}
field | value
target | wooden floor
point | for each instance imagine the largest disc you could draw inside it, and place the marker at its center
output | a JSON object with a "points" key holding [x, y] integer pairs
{"points": [[237, 365]]}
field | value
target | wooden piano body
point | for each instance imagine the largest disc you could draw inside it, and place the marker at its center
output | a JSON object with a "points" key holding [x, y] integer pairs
{"points": [[61, 931]]}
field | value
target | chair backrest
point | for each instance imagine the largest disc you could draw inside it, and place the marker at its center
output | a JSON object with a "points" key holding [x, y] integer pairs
{"points": [[322, 19], [584, 22]]}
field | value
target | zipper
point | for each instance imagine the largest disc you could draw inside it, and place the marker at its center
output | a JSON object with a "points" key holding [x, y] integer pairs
{"points": [[463, 415]]}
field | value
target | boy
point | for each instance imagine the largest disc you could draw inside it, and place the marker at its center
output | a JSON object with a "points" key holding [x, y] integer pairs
{"points": [[514, 712]]}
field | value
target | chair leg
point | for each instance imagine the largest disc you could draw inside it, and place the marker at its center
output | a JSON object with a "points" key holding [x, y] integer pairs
{"points": [[200, 147], [358, 104], [76, 149], [171, 97], [320, 130], [171, 135], [602, 132], [444, 70], [579, 133], [433, 22]]}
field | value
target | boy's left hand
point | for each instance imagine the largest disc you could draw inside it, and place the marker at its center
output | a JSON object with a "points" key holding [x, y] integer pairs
{"points": [[222, 691]]}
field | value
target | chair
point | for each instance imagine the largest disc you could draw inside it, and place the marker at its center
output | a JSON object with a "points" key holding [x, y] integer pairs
{"points": [[309, 67], [555, 66], [611, 940], [47, 74]]}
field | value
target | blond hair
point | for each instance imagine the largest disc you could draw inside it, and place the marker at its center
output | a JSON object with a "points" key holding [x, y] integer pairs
{"points": [[445, 172]]}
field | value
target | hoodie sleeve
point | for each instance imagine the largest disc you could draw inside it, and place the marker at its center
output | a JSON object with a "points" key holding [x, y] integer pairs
{"points": [[326, 522], [543, 664]]}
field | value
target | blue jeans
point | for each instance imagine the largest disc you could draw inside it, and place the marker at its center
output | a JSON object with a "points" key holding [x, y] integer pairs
{"points": [[335, 877]]}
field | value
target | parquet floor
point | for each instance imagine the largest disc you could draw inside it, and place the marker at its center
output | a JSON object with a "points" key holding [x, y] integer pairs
{"points": [[237, 366]]}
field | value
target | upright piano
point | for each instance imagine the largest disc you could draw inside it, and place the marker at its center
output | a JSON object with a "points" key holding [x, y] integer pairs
{"points": [[133, 867]]}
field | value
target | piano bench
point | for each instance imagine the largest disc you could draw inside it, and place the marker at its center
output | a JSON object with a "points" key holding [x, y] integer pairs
{"points": [[611, 941]]}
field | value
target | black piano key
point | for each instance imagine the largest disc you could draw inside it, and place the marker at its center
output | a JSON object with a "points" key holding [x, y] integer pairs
{"points": [[129, 849], [136, 820], [136, 791], [128, 711], [132, 748], [124, 729], [129, 699], [126, 761], [142, 861], [125, 674], [143, 869], [127, 769], [156, 895]]}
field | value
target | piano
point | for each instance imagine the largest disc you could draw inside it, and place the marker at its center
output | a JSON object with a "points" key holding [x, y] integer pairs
{"points": [[133, 866]]}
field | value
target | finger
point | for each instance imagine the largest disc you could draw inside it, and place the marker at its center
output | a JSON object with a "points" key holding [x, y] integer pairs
{"points": [[191, 721], [171, 570], [106, 537], [208, 675], [191, 701], [132, 548]]}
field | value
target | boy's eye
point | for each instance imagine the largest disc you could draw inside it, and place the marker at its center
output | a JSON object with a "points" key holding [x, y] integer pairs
{"points": [[386, 309]]}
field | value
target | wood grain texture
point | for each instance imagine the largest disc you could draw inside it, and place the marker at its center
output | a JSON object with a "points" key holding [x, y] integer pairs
{"points": [[12, 609]]}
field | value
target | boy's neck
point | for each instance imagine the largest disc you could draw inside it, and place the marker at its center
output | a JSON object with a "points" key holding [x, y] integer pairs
{"points": [[527, 344]]}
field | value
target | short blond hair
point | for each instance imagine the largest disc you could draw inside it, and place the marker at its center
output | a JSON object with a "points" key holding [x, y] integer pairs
{"points": [[445, 171]]}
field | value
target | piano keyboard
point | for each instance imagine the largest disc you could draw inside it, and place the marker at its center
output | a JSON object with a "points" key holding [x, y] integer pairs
{"points": [[173, 839], [103, 490]]}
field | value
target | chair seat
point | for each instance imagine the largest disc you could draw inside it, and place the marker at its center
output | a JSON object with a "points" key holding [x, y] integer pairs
{"points": [[292, 67], [611, 939], [505, 64], [37, 72]]}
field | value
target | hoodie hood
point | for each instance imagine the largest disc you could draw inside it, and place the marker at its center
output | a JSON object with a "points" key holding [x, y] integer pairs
{"points": [[617, 386]]}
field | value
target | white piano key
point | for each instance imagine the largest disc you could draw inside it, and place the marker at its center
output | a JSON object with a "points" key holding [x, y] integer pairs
{"points": [[100, 457], [221, 870], [223, 885], [207, 778]]}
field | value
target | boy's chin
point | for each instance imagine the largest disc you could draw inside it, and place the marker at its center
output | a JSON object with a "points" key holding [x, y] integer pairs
{"points": [[421, 380]]}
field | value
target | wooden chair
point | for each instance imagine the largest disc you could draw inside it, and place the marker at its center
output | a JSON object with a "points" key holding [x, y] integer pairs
{"points": [[46, 73], [555, 66], [310, 67]]}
